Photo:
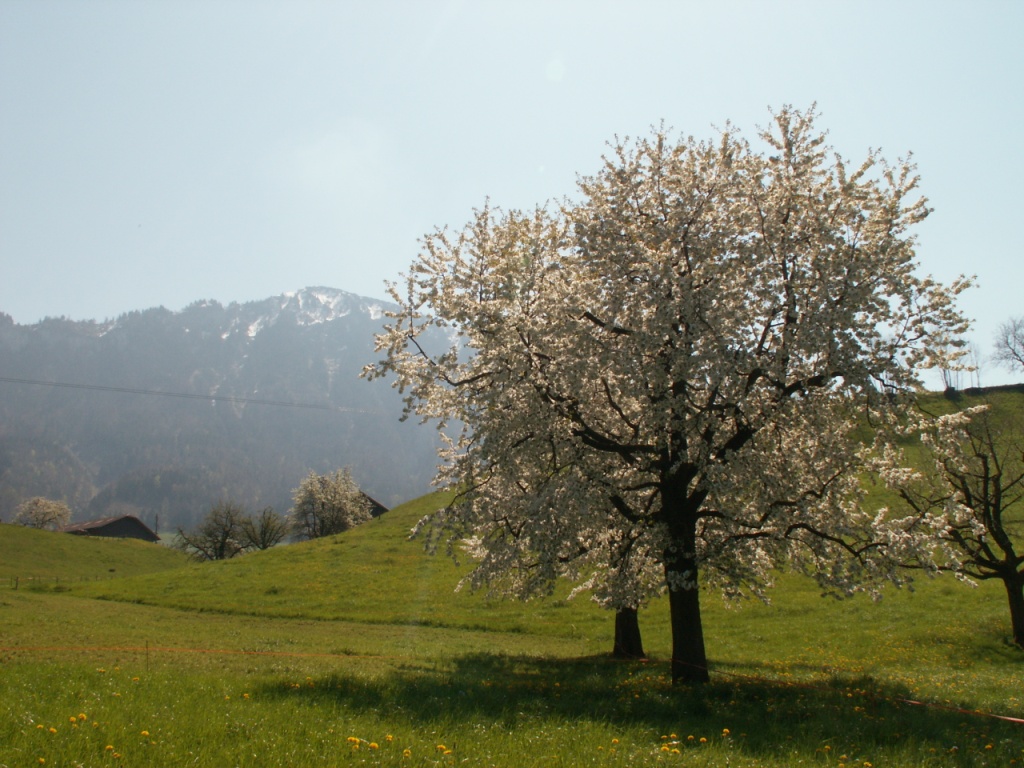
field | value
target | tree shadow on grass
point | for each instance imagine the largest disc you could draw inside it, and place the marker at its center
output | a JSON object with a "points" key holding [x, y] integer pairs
{"points": [[764, 717]]}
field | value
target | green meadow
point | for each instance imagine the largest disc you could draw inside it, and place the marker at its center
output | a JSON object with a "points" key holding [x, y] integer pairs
{"points": [[356, 649]]}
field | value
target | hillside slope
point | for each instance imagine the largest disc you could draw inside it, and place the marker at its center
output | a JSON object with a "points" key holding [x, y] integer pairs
{"points": [[29, 554], [373, 573]]}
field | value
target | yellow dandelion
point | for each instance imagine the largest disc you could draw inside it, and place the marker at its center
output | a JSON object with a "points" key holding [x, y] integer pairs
{"points": [[40, 726], [689, 738], [42, 760], [374, 745], [441, 747], [81, 716], [615, 741], [406, 753], [52, 729], [389, 738], [675, 751], [703, 740], [135, 679], [145, 733], [725, 731], [73, 719], [109, 748]]}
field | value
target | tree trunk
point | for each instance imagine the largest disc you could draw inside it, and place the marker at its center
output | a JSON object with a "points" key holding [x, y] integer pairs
{"points": [[628, 644], [1015, 593], [689, 661]]}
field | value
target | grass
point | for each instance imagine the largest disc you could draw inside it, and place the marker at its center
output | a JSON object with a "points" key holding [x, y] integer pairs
{"points": [[372, 574], [311, 654], [49, 558], [220, 689], [354, 650]]}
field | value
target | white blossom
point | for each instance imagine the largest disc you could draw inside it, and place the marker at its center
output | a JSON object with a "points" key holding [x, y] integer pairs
{"points": [[660, 384]]}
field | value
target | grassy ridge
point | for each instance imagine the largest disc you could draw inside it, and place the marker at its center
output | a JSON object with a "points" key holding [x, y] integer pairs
{"points": [[371, 574], [28, 553]]}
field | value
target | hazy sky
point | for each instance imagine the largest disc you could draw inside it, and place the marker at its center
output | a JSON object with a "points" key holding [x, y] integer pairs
{"points": [[156, 153]]}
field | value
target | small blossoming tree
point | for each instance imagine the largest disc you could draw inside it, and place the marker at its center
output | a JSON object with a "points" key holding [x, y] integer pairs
{"points": [[38, 512], [327, 504], [658, 384], [970, 490]]}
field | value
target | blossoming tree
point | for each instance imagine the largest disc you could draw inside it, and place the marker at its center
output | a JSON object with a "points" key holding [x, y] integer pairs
{"points": [[324, 505], [970, 489], [38, 512], [657, 385]]}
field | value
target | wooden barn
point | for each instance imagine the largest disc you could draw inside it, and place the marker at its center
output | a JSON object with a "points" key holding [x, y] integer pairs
{"points": [[376, 508], [122, 527]]}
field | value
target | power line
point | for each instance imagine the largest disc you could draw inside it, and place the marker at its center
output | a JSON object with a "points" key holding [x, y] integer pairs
{"points": [[183, 395]]}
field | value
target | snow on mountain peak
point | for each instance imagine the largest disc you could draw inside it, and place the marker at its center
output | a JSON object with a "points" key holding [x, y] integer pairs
{"points": [[309, 306], [304, 307]]}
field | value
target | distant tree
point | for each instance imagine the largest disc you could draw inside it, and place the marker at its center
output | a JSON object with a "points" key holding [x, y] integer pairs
{"points": [[971, 491], [219, 536], [38, 512], [327, 504], [1010, 343], [263, 531]]}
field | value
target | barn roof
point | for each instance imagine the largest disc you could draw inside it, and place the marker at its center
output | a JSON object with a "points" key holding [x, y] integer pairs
{"points": [[129, 525], [376, 508]]}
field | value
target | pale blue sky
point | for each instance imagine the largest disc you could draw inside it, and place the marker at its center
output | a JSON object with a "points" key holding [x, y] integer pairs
{"points": [[155, 153]]}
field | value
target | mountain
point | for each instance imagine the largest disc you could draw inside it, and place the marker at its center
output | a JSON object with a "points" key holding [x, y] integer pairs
{"points": [[162, 413]]}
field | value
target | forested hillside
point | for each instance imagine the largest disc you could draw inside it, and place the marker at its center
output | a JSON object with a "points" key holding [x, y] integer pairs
{"points": [[253, 397]]}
